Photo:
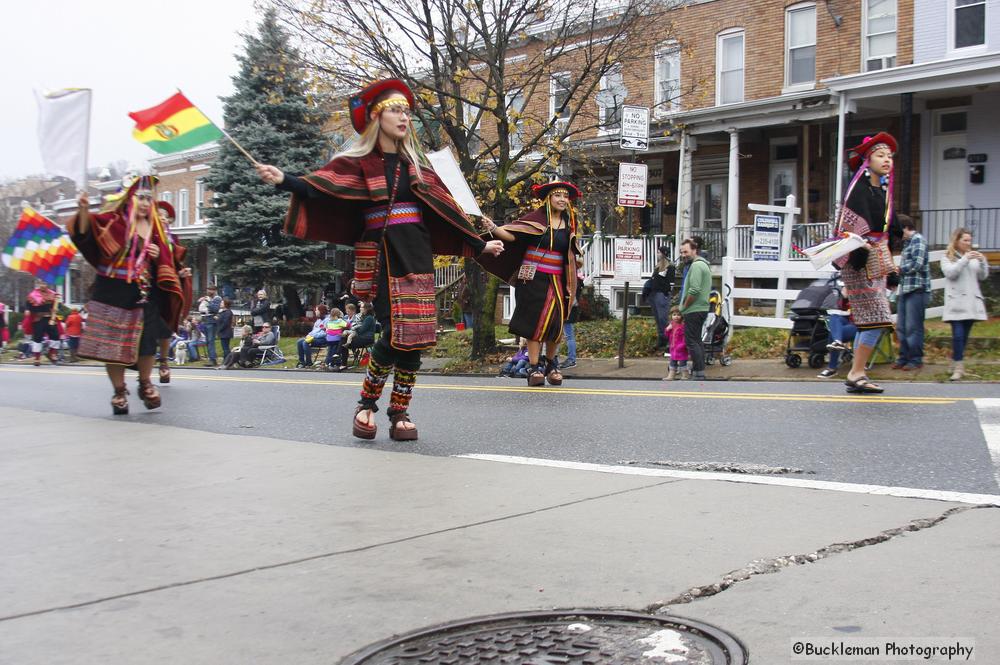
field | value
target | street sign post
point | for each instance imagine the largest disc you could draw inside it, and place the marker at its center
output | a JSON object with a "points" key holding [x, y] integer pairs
{"points": [[766, 237], [635, 128], [632, 185], [628, 266]]}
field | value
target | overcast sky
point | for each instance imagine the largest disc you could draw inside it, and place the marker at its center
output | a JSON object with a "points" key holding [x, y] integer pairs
{"points": [[132, 55]]}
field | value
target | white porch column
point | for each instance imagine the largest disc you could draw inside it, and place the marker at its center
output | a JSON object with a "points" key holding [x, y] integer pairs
{"points": [[683, 192], [841, 128], [733, 207]]}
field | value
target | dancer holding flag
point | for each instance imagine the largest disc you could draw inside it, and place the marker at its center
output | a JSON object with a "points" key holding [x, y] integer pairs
{"points": [[139, 295], [382, 196]]}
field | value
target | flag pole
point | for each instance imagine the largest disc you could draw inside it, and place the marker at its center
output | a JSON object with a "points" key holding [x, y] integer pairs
{"points": [[227, 135], [238, 146], [86, 138]]}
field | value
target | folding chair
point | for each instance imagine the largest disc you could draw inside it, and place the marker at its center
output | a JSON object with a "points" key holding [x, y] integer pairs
{"points": [[272, 353]]}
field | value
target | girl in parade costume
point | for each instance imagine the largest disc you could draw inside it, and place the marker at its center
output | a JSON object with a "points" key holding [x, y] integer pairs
{"points": [[41, 304], [167, 217], [868, 212], [382, 196], [542, 267], [138, 267]]}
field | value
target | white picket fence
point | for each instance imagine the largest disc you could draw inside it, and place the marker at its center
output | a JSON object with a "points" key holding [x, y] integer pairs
{"points": [[733, 269]]}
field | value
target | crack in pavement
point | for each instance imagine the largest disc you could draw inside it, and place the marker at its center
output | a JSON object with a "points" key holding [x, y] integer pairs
{"points": [[722, 467], [327, 555], [779, 563]]}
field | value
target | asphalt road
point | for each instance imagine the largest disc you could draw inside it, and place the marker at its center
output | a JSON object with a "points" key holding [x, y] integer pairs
{"points": [[924, 436]]}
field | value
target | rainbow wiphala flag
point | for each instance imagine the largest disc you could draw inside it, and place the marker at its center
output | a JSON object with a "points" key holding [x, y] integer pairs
{"points": [[39, 247]]}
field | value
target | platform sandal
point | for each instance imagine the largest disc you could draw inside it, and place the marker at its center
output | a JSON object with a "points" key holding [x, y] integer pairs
{"points": [[119, 401], [363, 430], [536, 375], [149, 395], [552, 374], [164, 371], [397, 433]]}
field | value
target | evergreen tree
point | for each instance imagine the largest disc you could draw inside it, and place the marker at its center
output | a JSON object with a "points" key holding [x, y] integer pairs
{"points": [[273, 116]]}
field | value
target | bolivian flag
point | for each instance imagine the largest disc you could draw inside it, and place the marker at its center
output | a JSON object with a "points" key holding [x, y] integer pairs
{"points": [[174, 125]]}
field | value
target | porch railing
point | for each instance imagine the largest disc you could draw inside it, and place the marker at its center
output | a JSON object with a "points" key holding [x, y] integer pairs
{"points": [[937, 225], [599, 254]]}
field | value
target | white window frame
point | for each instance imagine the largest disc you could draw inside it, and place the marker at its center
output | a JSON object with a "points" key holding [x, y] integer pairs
{"points": [[668, 50], [801, 85], [865, 36], [167, 197], [199, 200], [952, 26], [475, 139], [719, 39], [562, 121], [516, 126], [602, 111], [183, 203]]}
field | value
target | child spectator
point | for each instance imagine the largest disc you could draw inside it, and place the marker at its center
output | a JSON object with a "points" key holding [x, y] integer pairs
{"points": [[334, 334], [674, 333], [517, 364], [74, 329]]}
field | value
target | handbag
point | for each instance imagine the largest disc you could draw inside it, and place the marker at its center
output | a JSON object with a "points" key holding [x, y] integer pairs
{"points": [[366, 254], [527, 271], [112, 334]]}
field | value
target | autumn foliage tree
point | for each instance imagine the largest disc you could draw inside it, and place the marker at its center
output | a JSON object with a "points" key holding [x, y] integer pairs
{"points": [[484, 72]]}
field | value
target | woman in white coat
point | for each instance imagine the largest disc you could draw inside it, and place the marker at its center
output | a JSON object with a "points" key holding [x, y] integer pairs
{"points": [[963, 268]]}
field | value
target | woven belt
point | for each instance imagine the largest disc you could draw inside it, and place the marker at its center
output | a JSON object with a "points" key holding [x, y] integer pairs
{"points": [[402, 213], [545, 261], [109, 271]]}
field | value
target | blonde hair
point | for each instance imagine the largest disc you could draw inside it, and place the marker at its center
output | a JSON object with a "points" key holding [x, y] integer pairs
{"points": [[956, 235], [365, 143]]}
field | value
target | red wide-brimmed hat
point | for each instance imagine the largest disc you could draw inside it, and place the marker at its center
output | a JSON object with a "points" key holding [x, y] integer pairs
{"points": [[543, 190], [359, 103], [859, 152], [167, 208]]}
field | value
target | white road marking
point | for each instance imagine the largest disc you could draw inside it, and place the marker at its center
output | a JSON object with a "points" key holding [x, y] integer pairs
{"points": [[881, 490], [989, 421]]}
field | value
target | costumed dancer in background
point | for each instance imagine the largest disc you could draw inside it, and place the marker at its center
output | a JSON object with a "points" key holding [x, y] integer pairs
{"points": [[868, 211], [41, 304], [348, 201], [138, 268], [541, 261]]}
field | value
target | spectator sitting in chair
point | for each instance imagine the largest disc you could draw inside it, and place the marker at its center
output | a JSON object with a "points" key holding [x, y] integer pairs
{"points": [[316, 339], [251, 350], [361, 334], [517, 364], [233, 356]]}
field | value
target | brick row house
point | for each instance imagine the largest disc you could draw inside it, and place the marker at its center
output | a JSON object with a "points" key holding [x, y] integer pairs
{"points": [[754, 101]]}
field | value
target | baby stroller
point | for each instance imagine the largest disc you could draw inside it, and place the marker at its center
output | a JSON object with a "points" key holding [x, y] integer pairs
{"points": [[716, 332], [809, 334]]}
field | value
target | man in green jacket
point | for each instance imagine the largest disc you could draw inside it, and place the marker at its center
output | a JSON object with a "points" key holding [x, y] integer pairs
{"points": [[694, 304]]}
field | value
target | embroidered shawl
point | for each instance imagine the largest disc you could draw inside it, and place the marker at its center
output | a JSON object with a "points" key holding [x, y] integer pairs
{"points": [[106, 240], [525, 228], [363, 179]]}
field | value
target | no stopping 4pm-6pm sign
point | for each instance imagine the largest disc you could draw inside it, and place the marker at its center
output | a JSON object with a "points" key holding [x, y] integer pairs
{"points": [[632, 185]]}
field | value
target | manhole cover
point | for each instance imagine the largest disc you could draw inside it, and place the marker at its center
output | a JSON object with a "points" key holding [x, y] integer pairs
{"points": [[575, 637]]}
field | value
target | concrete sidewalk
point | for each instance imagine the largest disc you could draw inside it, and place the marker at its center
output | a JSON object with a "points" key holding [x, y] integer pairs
{"points": [[137, 543]]}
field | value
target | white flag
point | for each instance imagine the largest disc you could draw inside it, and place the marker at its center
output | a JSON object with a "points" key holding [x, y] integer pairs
{"points": [[64, 131], [451, 175]]}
